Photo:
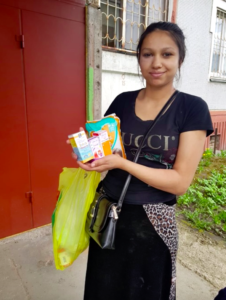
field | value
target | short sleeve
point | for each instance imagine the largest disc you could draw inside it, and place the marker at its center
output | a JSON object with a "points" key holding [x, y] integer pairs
{"points": [[116, 107], [112, 109], [196, 116]]}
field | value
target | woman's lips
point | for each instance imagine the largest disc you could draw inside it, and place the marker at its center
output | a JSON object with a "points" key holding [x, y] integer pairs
{"points": [[156, 75]]}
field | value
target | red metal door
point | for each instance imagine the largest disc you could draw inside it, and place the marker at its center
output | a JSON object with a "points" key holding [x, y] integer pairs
{"points": [[15, 209], [55, 89]]}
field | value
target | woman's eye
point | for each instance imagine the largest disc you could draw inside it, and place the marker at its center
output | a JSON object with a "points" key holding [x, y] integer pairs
{"points": [[167, 54], [146, 54]]}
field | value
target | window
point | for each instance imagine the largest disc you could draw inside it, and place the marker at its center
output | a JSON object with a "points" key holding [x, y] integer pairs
{"points": [[218, 67], [123, 21]]}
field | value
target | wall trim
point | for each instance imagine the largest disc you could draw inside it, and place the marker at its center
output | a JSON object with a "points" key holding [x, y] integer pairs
{"points": [[93, 62], [218, 113], [118, 50], [120, 72], [174, 11]]}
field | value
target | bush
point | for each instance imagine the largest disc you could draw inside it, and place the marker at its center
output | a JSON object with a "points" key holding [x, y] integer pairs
{"points": [[204, 203]]}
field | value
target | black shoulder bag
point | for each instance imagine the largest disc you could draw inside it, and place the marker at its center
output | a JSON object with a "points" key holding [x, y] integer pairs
{"points": [[103, 213]]}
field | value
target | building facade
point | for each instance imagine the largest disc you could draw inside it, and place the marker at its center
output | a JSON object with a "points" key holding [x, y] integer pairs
{"points": [[204, 70]]}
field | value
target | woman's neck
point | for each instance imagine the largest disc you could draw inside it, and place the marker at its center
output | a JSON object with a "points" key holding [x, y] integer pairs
{"points": [[157, 94]]}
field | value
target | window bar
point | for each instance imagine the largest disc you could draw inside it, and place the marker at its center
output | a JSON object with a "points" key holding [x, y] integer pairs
{"points": [[221, 19], [216, 52], [132, 26], [223, 47], [220, 46], [138, 24], [160, 11], [115, 29], [124, 24], [216, 67], [107, 17], [166, 10], [146, 13], [218, 38]]}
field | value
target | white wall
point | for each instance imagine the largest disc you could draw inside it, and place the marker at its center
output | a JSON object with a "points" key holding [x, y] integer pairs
{"points": [[119, 71], [119, 74]]}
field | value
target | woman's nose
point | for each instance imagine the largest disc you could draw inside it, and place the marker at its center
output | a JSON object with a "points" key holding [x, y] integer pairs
{"points": [[156, 62]]}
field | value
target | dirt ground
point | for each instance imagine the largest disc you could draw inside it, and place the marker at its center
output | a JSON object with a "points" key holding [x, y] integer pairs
{"points": [[202, 253]]}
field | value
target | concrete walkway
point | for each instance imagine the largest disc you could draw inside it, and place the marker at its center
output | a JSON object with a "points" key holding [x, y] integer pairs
{"points": [[27, 272]]}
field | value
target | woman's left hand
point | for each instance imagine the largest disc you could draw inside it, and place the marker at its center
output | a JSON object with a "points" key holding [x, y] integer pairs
{"points": [[106, 163]]}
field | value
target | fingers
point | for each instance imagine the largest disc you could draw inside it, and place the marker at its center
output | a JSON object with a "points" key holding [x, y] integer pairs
{"points": [[74, 156], [67, 141], [85, 167], [98, 163]]}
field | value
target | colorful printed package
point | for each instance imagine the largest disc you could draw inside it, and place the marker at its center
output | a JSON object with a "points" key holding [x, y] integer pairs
{"points": [[81, 146], [104, 139], [111, 124], [96, 147]]}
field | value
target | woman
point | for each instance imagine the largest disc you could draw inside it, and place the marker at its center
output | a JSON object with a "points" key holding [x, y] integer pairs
{"points": [[143, 264], [221, 295]]}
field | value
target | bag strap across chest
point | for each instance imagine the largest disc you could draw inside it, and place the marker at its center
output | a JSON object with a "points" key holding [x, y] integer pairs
{"points": [[163, 110]]}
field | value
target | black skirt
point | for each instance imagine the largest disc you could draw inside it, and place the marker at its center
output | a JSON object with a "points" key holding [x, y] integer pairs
{"points": [[141, 265]]}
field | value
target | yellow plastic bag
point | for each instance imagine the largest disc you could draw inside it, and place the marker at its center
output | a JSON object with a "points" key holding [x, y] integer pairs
{"points": [[77, 189]]}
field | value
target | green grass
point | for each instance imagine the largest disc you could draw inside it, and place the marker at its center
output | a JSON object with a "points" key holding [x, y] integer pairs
{"points": [[204, 204]]}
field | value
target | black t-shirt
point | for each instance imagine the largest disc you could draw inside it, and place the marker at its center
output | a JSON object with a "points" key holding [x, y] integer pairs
{"points": [[186, 113]]}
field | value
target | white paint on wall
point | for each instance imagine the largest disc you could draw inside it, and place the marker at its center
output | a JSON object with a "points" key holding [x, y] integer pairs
{"points": [[119, 74]]}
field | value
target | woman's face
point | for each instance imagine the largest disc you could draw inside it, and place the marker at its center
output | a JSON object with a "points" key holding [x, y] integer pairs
{"points": [[159, 59]]}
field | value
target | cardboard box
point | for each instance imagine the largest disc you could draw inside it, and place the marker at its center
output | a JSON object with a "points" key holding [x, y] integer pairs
{"points": [[96, 147], [81, 146], [104, 139]]}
